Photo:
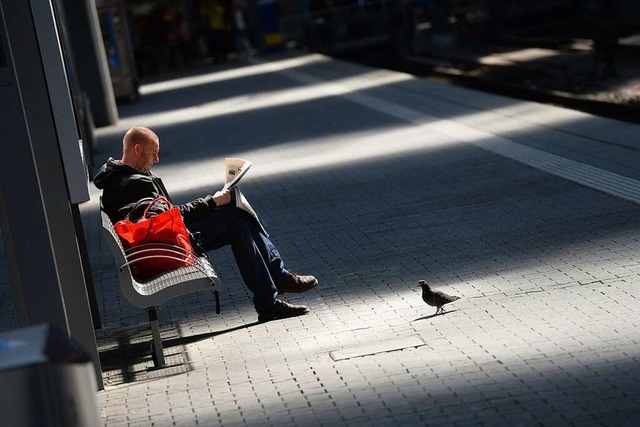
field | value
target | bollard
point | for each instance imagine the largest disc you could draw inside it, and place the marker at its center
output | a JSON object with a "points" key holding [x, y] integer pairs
{"points": [[45, 380]]}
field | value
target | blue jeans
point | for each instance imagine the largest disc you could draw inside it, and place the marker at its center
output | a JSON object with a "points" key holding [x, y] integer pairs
{"points": [[257, 257]]}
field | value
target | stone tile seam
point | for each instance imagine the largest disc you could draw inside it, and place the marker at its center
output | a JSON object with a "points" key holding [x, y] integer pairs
{"points": [[552, 288]]}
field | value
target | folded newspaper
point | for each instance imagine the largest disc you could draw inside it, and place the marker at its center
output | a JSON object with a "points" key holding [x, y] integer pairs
{"points": [[235, 169]]}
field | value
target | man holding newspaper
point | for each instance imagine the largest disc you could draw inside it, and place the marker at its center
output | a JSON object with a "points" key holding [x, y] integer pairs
{"points": [[224, 218]]}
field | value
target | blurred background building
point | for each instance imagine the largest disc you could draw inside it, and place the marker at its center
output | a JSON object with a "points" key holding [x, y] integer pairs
{"points": [[146, 37]]}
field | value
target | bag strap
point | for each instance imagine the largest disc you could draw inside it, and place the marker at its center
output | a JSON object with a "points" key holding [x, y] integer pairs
{"points": [[153, 202]]}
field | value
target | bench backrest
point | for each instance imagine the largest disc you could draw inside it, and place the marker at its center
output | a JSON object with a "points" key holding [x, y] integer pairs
{"points": [[174, 283]]}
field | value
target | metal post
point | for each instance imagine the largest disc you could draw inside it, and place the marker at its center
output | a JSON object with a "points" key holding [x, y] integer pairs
{"points": [[158, 352]]}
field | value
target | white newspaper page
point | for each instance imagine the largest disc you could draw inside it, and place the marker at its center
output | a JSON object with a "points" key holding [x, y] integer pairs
{"points": [[243, 204], [235, 169]]}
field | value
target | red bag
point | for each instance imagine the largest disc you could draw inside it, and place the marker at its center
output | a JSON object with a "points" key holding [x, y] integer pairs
{"points": [[156, 243]]}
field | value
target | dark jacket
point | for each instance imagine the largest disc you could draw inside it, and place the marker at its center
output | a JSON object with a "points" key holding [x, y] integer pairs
{"points": [[122, 186]]}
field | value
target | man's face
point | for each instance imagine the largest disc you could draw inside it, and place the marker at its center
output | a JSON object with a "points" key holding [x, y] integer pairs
{"points": [[148, 155]]}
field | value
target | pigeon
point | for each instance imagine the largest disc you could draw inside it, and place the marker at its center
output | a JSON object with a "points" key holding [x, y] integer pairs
{"points": [[435, 298]]}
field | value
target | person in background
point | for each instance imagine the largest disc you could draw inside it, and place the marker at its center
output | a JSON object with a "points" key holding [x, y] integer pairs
{"points": [[216, 21], [243, 46]]}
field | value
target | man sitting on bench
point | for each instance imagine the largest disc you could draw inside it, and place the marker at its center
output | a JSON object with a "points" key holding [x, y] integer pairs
{"points": [[124, 182]]}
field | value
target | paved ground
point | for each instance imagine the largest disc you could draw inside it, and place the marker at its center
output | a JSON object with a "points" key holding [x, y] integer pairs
{"points": [[373, 180]]}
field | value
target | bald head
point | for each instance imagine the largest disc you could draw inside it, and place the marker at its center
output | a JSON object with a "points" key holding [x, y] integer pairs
{"points": [[138, 135], [140, 148]]}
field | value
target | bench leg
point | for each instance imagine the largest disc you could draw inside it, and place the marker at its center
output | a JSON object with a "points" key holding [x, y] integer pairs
{"points": [[217, 298], [157, 351]]}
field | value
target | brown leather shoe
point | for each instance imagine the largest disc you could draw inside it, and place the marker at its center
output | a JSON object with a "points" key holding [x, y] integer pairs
{"points": [[281, 310], [296, 284]]}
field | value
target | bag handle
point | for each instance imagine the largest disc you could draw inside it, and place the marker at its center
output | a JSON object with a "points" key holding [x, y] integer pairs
{"points": [[154, 201]]}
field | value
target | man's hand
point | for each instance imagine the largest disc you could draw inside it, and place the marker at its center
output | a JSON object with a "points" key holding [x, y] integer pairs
{"points": [[222, 197]]}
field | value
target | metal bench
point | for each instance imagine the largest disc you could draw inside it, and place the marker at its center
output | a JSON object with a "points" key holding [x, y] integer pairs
{"points": [[150, 295]]}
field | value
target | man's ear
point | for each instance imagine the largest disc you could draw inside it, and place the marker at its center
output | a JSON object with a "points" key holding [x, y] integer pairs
{"points": [[137, 149]]}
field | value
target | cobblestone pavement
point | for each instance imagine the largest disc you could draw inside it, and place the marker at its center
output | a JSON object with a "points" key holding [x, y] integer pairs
{"points": [[372, 180]]}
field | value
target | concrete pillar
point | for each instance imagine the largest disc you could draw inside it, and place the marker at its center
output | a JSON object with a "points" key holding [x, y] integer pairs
{"points": [[90, 59], [43, 176]]}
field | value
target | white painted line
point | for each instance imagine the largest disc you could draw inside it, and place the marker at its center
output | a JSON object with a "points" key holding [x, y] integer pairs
{"points": [[587, 175]]}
